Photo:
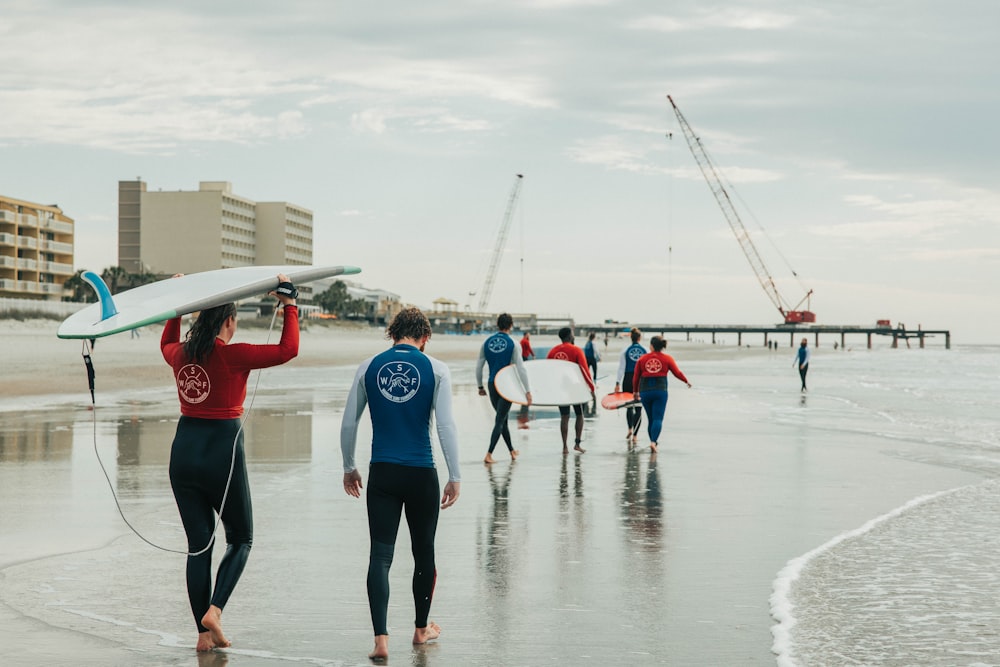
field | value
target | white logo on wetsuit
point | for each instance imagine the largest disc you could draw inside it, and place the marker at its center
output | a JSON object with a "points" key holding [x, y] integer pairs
{"points": [[561, 355], [193, 383], [497, 344], [653, 366], [634, 354], [398, 381]]}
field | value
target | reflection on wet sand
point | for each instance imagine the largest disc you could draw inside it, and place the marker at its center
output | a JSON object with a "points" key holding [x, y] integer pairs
{"points": [[25, 437], [495, 544], [642, 504]]}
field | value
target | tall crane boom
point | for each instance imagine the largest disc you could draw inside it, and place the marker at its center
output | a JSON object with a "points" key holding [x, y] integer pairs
{"points": [[501, 242], [791, 315]]}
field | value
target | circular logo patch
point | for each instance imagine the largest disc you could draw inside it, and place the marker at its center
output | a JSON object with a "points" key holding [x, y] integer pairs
{"points": [[497, 345], [398, 381], [561, 355], [653, 366], [193, 383], [634, 354]]}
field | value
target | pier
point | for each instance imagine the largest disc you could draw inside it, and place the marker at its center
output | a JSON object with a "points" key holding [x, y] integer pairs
{"points": [[775, 332]]}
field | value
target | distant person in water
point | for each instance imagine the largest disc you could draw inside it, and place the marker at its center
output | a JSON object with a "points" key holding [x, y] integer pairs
{"points": [[405, 390], [649, 383], [208, 472], [626, 369], [592, 355], [802, 359], [526, 351], [567, 351], [498, 352]]}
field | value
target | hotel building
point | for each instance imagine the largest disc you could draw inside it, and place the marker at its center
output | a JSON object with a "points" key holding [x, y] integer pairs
{"points": [[36, 250], [212, 228]]}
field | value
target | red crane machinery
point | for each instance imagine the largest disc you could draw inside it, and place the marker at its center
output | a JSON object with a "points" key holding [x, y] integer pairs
{"points": [[791, 314]]}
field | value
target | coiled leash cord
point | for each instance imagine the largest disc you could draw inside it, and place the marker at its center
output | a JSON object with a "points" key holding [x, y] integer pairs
{"points": [[87, 350]]}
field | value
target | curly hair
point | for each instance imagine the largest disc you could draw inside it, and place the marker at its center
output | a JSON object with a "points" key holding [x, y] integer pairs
{"points": [[504, 321], [408, 323], [200, 339]]}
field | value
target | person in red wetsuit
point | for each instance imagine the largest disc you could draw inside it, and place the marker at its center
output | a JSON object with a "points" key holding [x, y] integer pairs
{"points": [[567, 351], [649, 383], [526, 351], [207, 464]]}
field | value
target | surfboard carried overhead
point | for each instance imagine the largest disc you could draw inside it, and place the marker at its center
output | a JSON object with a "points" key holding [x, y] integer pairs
{"points": [[621, 399], [173, 297], [553, 382]]}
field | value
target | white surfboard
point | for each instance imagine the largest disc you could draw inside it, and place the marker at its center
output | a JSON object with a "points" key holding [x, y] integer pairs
{"points": [[553, 382], [173, 297]]}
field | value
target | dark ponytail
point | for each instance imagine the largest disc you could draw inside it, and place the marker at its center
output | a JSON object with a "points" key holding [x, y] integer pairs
{"points": [[200, 339], [657, 343]]}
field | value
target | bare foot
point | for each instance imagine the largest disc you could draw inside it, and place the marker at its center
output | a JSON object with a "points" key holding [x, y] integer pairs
{"points": [[424, 635], [514, 454], [565, 450], [205, 642], [381, 651], [580, 449], [213, 621], [652, 446], [489, 459]]}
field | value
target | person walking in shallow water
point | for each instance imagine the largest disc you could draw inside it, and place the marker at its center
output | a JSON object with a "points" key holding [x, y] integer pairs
{"points": [[649, 383], [626, 369], [567, 351], [403, 389], [802, 359], [498, 352], [208, 473]]}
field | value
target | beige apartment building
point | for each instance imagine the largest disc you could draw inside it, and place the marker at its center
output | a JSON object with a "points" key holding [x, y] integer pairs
{"points": [[182, 231], [36, 250]]}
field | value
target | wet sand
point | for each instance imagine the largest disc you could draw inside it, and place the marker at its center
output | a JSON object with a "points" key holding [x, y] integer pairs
{"points": [[607, 558]]}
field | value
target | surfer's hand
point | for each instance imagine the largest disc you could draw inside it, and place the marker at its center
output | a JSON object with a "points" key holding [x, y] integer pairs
{"points": [[451, 491], [689, 385], [177, 275], [352, 483], [527, 395], [482, 392], [285, 299]]}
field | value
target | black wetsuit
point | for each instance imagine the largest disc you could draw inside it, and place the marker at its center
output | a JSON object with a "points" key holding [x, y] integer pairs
{"points": [[200, 458]]}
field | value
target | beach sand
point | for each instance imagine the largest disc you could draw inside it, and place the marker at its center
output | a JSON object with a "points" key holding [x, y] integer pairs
{"points": [[607, 558]]}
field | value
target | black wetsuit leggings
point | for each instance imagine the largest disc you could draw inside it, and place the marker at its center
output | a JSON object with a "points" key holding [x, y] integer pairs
{"points": [[500, 425], [200, 460], [393, 488], [633, 416]]}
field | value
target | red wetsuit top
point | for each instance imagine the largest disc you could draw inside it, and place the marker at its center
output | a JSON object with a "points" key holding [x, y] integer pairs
{"points": [[570, 352], [655, 365], [216, 388], [526, 351]]}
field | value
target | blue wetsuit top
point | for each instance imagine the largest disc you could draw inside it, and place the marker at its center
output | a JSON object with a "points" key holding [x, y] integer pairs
{"points": [[626, 362], [803, 355], [402, 388], [498, 352]]}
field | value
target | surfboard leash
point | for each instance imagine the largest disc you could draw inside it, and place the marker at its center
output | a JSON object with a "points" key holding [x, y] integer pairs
{"points": [[88, 347]]}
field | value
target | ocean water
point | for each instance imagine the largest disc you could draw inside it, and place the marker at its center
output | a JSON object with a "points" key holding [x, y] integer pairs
{"points": [[920, 584]]}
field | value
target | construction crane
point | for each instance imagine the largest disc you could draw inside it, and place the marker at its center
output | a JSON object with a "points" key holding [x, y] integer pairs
{"points": [[792, 314], [501, 242]]}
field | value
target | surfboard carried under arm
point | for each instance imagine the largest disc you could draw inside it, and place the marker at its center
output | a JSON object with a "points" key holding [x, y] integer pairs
{"points": [[621, 399], [173, 297], [552, 381]]}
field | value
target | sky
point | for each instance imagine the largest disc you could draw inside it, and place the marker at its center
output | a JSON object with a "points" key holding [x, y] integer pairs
{"points": [[857, 139]]}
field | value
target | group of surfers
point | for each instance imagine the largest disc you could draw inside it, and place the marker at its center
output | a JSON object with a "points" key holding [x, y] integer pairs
{"points": [[641, 371], [404, 390]]}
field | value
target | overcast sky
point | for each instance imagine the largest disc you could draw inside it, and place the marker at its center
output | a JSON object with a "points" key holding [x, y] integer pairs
{"points": [[859, 140]]}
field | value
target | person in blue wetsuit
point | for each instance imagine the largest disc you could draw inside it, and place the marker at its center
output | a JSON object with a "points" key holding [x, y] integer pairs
{"points": [[626, 367], [497, 352], [403, 388], [802, 359]]}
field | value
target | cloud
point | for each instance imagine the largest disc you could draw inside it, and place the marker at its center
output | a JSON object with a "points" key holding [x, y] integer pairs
{"points": [[713, 18]]}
